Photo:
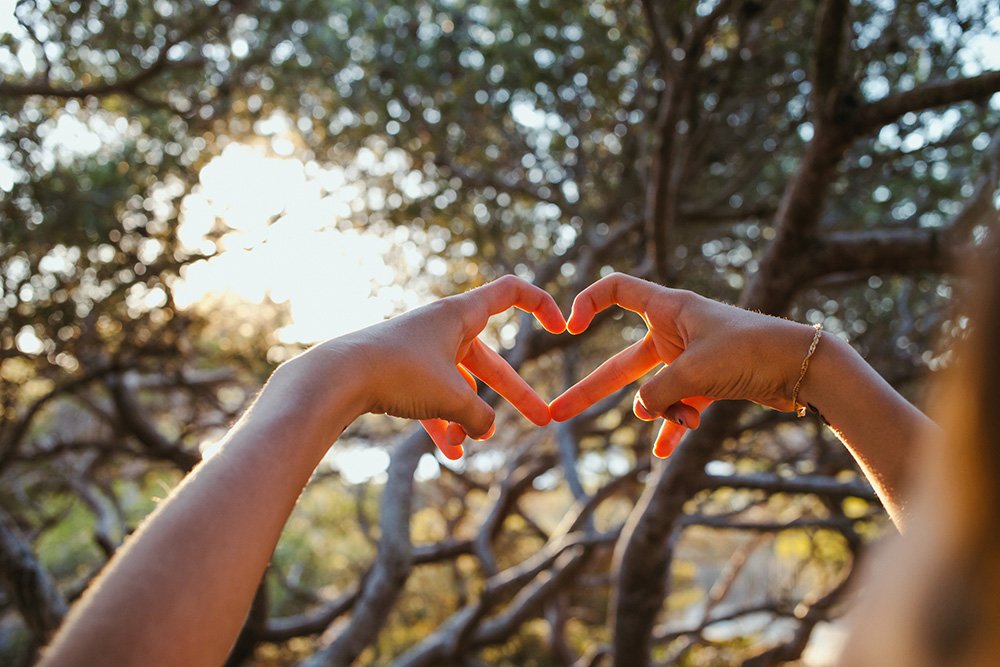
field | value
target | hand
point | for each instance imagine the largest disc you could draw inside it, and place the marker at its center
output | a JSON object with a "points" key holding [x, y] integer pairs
{"points": [[423, 364], [712, 351], [238, 500]]}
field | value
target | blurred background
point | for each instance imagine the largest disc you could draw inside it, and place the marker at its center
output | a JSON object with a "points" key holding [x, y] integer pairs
{"points": [[192, 192]]}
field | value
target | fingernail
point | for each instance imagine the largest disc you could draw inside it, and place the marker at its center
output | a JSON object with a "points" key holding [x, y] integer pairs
{"points": [[452, 453], [489, 432], [673, 415]]}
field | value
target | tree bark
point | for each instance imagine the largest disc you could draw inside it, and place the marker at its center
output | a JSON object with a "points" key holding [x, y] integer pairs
{"points": [[29, 584], [644, 552]]}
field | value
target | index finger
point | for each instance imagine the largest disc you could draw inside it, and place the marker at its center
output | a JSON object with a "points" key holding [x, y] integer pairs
{"points": [[624, 368], [618, 289], [494, 370], [511, 291]]}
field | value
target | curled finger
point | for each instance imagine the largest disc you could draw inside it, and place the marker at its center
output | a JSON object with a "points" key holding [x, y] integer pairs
{"points": [[437, 430]]}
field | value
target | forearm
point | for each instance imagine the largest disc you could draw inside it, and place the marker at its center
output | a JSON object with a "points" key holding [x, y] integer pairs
{"points": [[186, 579], [878, 426], [179, 591]]}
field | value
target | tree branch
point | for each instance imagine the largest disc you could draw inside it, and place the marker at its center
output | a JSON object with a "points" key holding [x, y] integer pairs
{"points": [[129, 85], [461, 629], [669, 164], [504, 497], [451, 635], [728, 523], [443, 550], [393, 560], [772, 607], [874, 115], [529, 601], [312, 622], [32, 588], [134, 420], [979, 207], [644, 551], [808, 618], [875, 251], [658, 41], [826, 60], [17, 431], [805, 484]]}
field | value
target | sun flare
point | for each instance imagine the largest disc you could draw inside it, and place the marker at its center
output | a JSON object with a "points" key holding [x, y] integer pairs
{"points": [[282, 241]]}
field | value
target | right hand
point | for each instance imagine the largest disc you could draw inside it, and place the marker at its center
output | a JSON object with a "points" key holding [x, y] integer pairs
{"points": [[423, 364], [711, 351]]}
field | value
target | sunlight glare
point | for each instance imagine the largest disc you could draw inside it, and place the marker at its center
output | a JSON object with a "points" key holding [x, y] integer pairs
{"points": [[358, 464], [7, 20], [281, 241]]}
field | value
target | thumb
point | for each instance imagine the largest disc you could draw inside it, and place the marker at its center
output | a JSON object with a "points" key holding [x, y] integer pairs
{"points": [[662, 395], [466, 408]]}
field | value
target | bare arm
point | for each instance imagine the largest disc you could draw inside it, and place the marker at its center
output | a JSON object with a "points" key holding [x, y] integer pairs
{"points": [[179, 591], [715, 351], [880, 428], [204, 550]]}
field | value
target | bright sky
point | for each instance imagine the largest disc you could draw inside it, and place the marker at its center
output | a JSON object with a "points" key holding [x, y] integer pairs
{"points": [[285, 244], [285, 238], [7, 20]]}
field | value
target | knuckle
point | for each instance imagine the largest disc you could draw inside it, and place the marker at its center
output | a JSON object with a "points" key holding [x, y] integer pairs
{"points": [[680, 374], [648, 397], [681, 295], [455, 400], [480, 422], [449, 307], [680, 300], [463, 310], [613, 295]]}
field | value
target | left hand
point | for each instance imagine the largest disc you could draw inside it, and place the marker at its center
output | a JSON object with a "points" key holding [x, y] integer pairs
{"points": [[710, 350], [422, 364]]}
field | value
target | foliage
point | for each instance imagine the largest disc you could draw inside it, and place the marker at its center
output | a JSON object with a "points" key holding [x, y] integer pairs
{"points": [[824, 160]]}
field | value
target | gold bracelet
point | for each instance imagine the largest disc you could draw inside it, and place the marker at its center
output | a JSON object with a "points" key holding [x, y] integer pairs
{"points": [[800, 410]]}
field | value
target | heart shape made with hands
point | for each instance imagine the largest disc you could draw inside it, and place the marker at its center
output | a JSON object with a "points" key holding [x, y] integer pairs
{"points": [[620, 370]]}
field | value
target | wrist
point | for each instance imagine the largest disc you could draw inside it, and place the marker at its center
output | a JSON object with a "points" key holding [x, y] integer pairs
{"points": [[817, 335], [832, 355], [788, 345], [322, 389]]}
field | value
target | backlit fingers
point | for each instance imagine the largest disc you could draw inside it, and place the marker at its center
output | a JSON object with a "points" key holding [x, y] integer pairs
{"points": [[437, 430], [669, 436], [624, 368], [671, 432], [449, 435], [617, 289], [494, 370], [513, 292]]}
